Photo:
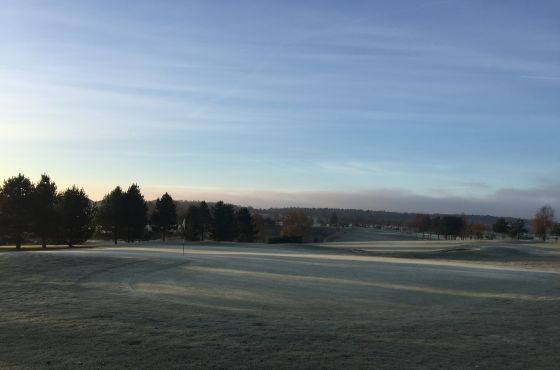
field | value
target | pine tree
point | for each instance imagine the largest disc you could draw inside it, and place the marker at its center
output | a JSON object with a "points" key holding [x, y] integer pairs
{"points": [[15, 208], [501, 226], [247, 230], [75, 214], [223, 227], [44, 213], [205, 218], [517, 229], [193, 227], [111, 213], [164, 216], [333, 220], [136, 213]]}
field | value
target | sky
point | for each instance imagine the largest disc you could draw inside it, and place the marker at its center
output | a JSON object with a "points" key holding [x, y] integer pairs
{"points": [[421, 106]]}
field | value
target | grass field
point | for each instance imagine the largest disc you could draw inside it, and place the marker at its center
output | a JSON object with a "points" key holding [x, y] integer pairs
{"points": [[384, 304]]}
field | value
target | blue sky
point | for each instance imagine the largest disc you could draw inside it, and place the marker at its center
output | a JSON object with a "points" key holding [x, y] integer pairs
{"points": [[442, 106]]}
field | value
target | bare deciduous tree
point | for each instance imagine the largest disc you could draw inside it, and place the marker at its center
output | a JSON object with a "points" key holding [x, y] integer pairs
{"points": [[543, 222]]}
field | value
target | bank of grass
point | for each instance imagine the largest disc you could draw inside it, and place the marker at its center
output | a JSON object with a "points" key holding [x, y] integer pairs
{"points": [[271, 310]]}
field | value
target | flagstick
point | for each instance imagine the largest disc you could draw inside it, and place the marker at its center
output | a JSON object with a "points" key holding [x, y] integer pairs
{"points": [[184, 233]]}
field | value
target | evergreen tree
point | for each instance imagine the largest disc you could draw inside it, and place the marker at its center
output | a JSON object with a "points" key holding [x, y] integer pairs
{"points": [[75, 214], [15, 208], [111, 213], [193, 225], [333, 220], [264, 226], [517, 229], [436, 225], [205, 219], [223, 227], [556, 230], [452, 226], [136, 214], [44, 213], [247, 230], [164, 216], [501, 226], [422, 223]]}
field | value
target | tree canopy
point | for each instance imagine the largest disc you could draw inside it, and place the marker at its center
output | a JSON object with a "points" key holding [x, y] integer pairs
{"points": [[16, 208], [76, 214], [224, 225], [501, 226], [517, 228], [543, 222], [333, 219], [135, 214], [44, 213], [193, 223], [296, 224], [164, 217], [111, 213], [247, 230]]}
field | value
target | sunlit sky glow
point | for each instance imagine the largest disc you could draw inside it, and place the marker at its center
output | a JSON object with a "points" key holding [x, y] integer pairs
{"points": [[442, 106]]}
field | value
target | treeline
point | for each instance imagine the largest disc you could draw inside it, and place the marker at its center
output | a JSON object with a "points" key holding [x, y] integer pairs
{"points": [[40, 213], [452, 227], [448, 226], [124, 216], [543, 224], [40, 210], [363, 217]]}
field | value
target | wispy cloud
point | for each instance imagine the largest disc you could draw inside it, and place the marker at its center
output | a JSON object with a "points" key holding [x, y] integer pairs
{"points": [[544, 78], [363, 168]]}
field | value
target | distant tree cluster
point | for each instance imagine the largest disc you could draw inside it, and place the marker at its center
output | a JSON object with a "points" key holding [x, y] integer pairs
{"points": [[447, 226], [452, 227], [514, 229], [295, 226], [223, 222], [197, 221], [123, 214], [41, 212]]}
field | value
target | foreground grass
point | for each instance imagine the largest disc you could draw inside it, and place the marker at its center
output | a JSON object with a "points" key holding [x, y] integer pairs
{"points": [[224, 306]]}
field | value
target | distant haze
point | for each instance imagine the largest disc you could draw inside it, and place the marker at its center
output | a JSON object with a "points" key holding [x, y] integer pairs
{"points": [[507, 202]]}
